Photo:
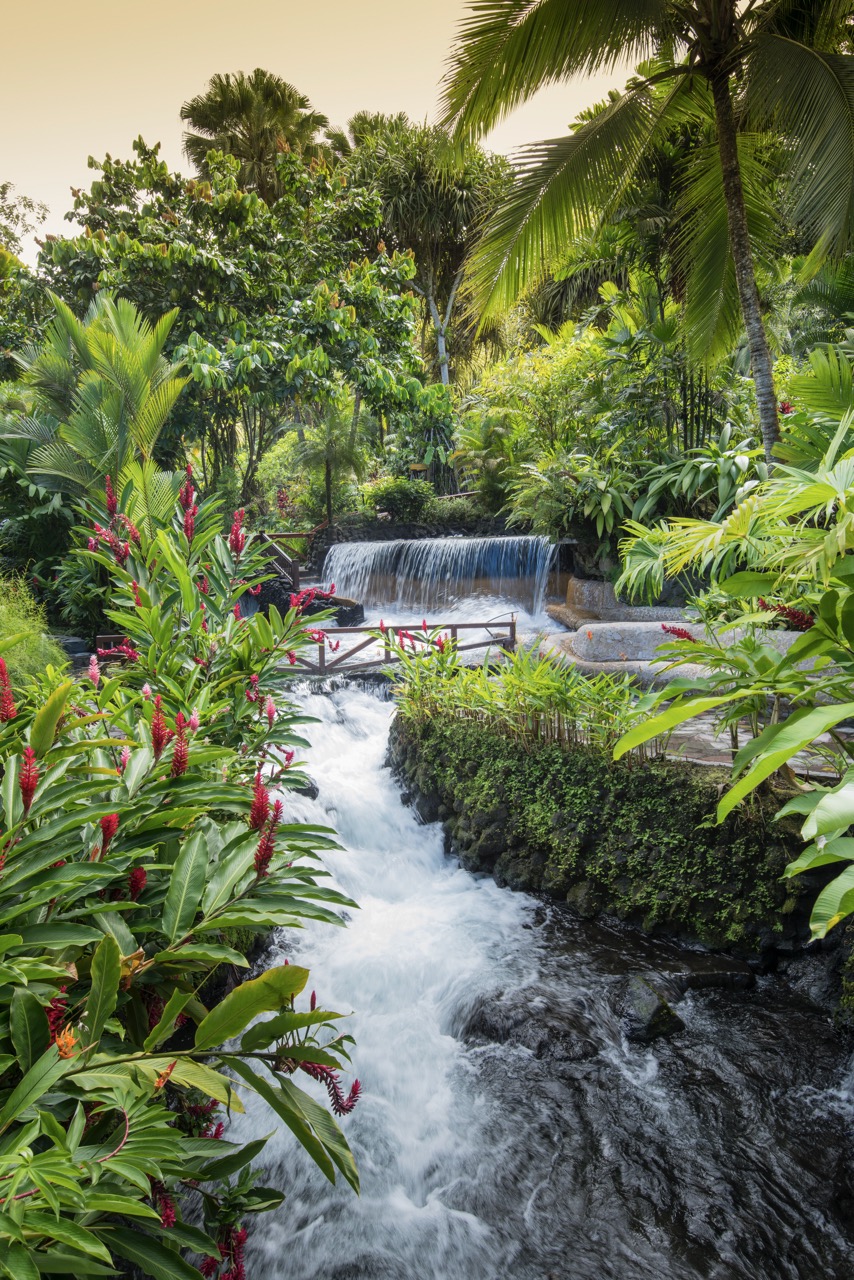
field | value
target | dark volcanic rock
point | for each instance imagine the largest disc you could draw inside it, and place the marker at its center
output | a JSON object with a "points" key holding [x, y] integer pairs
{"points": [[645, 1014]]}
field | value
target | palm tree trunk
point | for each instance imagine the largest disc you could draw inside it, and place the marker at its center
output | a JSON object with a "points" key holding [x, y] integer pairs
{"points": [[739, 239]]}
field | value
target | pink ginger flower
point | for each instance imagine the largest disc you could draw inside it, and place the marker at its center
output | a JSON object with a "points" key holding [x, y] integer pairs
{"points": [[270, 710], [94, 671], [124, 759], [112, 505], [194, 722], [678, 633], [190, 522], [146, 691], [137, 599]]}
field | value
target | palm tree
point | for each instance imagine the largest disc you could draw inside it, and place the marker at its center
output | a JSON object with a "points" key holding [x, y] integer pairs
{"points": [[433, 204], [749, 68], [253, 118], [101, 392], [331, 446]]}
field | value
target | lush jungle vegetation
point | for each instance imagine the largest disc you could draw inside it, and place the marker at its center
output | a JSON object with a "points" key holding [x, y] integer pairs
{"points": [[635, 335]]}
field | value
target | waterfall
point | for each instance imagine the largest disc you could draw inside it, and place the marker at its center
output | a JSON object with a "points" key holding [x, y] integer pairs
{"points": [[437, 572]]}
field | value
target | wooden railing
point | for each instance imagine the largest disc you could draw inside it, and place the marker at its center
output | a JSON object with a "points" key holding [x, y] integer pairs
{"points": [[327, 662], [285, 554]]}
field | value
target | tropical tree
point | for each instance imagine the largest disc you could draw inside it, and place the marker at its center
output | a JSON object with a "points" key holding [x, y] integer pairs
{"points": [[101, 391], [331, 446], [433, 204], [253, 118], [776, 66]]}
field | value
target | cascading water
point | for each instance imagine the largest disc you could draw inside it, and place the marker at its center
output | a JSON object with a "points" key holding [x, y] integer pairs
{"points": [[442, 573], [507, 1131]]}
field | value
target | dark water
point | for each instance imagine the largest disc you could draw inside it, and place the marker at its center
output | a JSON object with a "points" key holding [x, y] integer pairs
{"points": [[508, 1129]]}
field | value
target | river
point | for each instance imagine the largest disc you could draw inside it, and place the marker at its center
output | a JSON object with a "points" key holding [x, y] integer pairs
{"points": [[507, 1130]]}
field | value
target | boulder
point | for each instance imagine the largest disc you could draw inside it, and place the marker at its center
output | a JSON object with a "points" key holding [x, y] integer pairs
{"points": [[645, 1015]]}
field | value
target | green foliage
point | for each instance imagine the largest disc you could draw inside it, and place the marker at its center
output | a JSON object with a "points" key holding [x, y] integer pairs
{"points": [[528, 698], [628, 839], [561, 488], [21, 616], [137, 833], [402, 499]]}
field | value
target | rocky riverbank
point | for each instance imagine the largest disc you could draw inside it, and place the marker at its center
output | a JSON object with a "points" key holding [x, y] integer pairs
{"points": [[630, 840]]}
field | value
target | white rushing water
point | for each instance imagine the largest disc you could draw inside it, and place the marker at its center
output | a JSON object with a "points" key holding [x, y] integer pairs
{"points": [[426, 932], [507, 1131]]}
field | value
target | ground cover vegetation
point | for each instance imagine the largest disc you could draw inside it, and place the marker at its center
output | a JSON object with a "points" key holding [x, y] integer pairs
{"points": [[634, 335]]}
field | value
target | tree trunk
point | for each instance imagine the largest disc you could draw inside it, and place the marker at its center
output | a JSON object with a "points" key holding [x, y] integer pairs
{"points": [[327, 476], [739, 239], [441, 345], [354, 425]]}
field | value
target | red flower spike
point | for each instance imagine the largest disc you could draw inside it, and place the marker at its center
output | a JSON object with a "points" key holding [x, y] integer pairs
{"points": [[28, 778], [7, 701], [159, 732], [181, 754], [678, 633], [237, 537], [109, 827], [137, 881], [260, 811], [112, 505]]}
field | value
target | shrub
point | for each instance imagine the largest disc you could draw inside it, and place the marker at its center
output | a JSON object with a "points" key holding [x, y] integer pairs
{"points": [[400, 498], [465, 513], [137, 835], [21, 616]]}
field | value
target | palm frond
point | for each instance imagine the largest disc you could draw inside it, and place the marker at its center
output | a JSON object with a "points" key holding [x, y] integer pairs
{"points": [[508, 49], [808, 96], [562, 187]]}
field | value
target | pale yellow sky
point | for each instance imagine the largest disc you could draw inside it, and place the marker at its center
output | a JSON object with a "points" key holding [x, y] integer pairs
{"points": [[86, 79]]}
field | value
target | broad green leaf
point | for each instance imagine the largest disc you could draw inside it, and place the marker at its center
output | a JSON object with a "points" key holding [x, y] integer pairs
{"points": [[57, 1263], [676, 713], [197, 1075], [839, 850], [833, 904], [203, 953], [259, 995], [58, 936], [106, 975], [291, 1115], [748, 584], [17, 1262], [151, 1256], [186, 887], [227, 1165], [30, 1031], [834, 812], [38, 1080], [69, 1233], [43, 728], [164, 1028]]}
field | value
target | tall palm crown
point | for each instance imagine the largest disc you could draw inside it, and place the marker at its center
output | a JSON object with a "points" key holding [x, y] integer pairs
{"points": [[254, 118], [744, 68]]}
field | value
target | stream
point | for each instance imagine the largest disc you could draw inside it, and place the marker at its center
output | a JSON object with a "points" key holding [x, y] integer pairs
{"points": [[507, 1130]]}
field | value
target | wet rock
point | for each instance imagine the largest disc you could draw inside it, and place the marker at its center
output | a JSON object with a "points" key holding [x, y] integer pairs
{"points": [[309, 788], [645, 1014]]}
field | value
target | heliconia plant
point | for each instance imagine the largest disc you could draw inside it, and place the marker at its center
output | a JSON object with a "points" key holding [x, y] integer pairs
{"points": [[143, 818]]}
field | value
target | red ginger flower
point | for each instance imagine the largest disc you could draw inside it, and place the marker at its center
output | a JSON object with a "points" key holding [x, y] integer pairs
{"points": [[796, 618], [7, 702], [237, 538], [112, 505], [137, 881], [56, 1012], [188, 493], [137, 599], [109, 827], [270, 710], [28, 778], [190, 522], [260, 811], [94, 671], [159, 733], [678, 633], [181, 754], [133, 532], [341, 1106], [267, 843]]}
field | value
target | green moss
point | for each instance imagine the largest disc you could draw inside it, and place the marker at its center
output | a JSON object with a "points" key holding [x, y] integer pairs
{"points": [[634, 839]]}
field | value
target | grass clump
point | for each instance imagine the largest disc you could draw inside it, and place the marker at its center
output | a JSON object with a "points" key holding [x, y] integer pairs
{"points": [[22, 615]]}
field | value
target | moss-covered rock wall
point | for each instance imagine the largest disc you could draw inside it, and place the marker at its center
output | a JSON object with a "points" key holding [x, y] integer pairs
{"points": [[636, 840]]}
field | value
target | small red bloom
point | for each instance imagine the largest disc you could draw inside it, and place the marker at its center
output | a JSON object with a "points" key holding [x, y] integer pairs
{"points": [[678, 633], [112, 505], [237, 537], [267, 843], [7, 701], [181, 754], [159, 732]]}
